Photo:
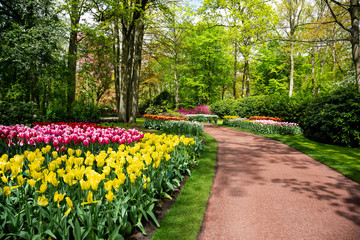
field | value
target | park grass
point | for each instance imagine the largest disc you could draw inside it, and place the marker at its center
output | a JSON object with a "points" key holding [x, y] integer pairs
{"points": [[342, 159], [184, 219]]}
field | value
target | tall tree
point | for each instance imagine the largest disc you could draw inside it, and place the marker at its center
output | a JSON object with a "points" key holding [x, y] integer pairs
{"points": [[292, 17], [168, 39], [208, 64], [132, 28], [352, 9], [75, 10], [248, 22], [30, 51]]}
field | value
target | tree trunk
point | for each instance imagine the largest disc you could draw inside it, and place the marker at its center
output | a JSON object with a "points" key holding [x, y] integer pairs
{"points": [[176, 82], [291, 87], [125, 45], [243, 89], [354, 13], [116, 49], [235, 69], [313, 69], [247, 64], [72, 61], [334, 61], [130, 67], [139, 37], [223, 92]]}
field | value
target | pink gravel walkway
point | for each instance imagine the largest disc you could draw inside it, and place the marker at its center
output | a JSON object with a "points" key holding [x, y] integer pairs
{"points": [[264, 189]]}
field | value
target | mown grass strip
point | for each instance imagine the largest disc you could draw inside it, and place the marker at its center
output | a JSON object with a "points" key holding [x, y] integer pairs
{"points": [[184, 219], [344, 160]]}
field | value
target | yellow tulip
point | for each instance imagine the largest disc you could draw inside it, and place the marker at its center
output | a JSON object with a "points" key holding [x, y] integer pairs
{"points": [[108, 185], [78, 152], [31, 182], [31, 156], [85, 185], [55, 154], [110, 196], [70, 205], [6, 191], [5, 157], [58, 197], [60, 172], [20, 179], [132, 178], [43, 188], [89, 199], [106, 170], [70, 151], [4, 179], [167, 157], [43, 201]]}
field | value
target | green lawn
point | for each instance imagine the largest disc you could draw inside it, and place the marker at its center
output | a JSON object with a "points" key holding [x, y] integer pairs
{"points": [[184, 219]]}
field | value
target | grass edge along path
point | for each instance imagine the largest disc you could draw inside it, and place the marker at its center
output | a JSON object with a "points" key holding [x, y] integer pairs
{"points": [[184, 219], [342, 159]]}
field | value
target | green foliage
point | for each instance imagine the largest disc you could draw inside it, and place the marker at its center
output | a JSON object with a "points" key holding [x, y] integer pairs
{"points": [[18, 113], [84, 110], [154, 110], [175, 127], [31, 62], [272, 105], [56, 111], [163, 98], [224, 107], [208, 67], [334, 118], [201, 117]]}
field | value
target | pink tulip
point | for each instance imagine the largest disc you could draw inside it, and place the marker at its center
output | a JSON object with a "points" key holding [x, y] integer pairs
{"points": [[39, 138], [55, 142], [86, 142], [47, 139]]}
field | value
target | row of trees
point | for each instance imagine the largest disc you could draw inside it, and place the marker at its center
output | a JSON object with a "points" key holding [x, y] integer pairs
{"points": [[75, 53]]}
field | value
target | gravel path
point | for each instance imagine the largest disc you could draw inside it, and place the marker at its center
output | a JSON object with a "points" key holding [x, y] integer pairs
{"points": [[264, 189]]}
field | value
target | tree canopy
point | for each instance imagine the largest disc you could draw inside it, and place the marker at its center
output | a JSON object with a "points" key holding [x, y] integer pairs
{"points": [[123, 53]]}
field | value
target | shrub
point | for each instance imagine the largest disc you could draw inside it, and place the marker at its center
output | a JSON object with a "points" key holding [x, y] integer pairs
{"points": [[18, 112], [154, 110], [334, 118], [81, 110], [163, 98], [224, 107], [281, 106]]}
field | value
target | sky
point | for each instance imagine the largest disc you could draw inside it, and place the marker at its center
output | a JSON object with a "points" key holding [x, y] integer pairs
{"points": [[195, 2]]}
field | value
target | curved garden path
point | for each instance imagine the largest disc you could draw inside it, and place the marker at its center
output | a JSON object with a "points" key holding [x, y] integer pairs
{"points": [[264, 189]]}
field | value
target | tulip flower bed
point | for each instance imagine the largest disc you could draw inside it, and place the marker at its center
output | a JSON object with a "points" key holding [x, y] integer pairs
{"points": [[197, 110], [86, 195], [202, 117], [267, 118], [266, 126], [175, 127], [162, 117], [15, 139], [230, 117]]}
